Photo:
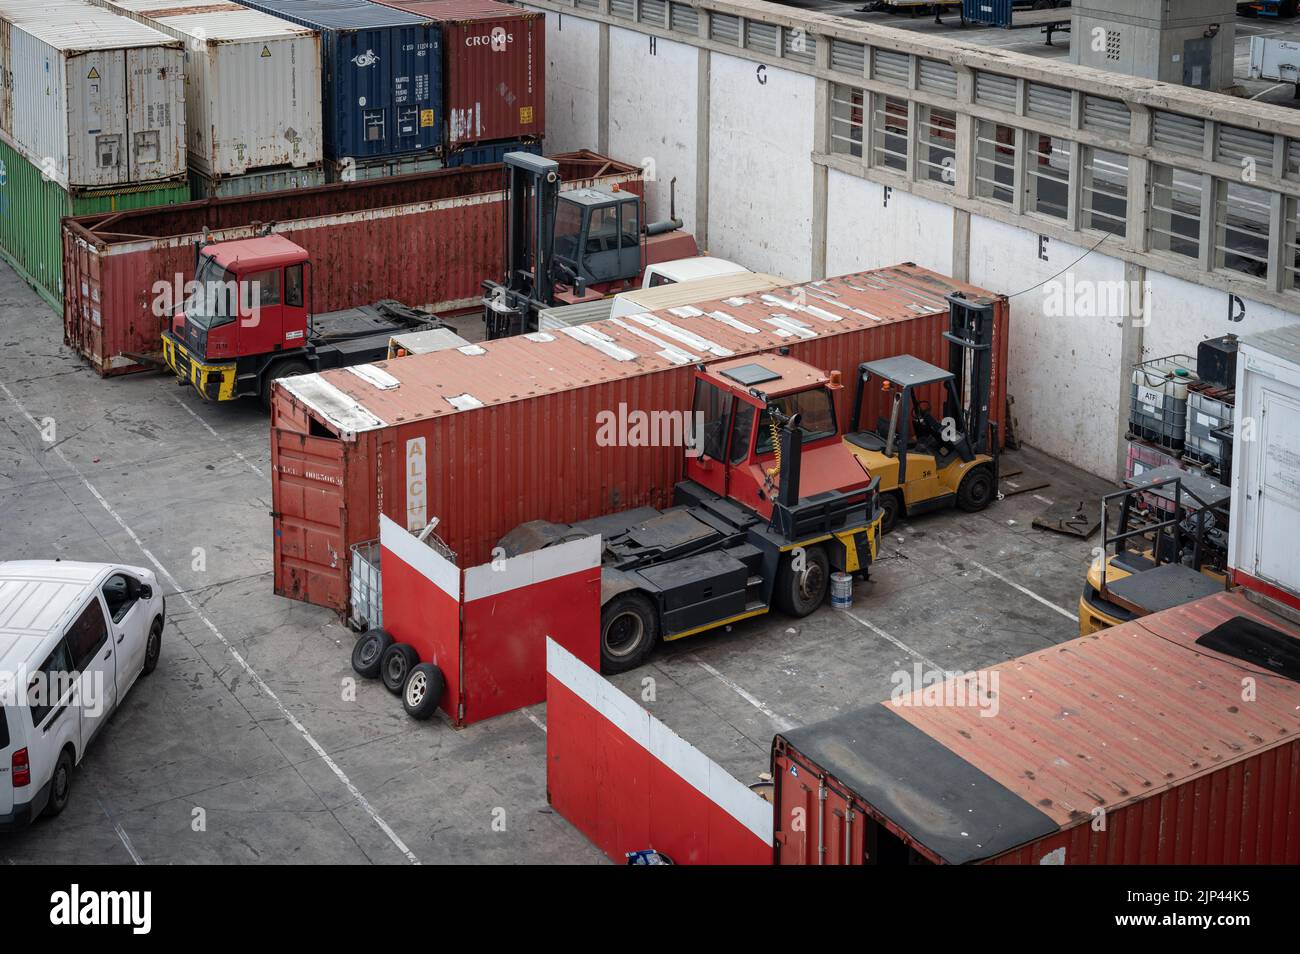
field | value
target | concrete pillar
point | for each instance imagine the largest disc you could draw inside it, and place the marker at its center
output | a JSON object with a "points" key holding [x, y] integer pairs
{"points": [[1130, 353], [602, 95], [820, 182], [702, 148], [961, 245]]}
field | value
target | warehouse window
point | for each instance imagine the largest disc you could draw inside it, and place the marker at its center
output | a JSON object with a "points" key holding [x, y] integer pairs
{"points": [[1241, 216], [846, 120], [995, 161], [889, 132], [1175, 225], [1105, 191], [937, 154], [1049, 176], [1291, 246]]}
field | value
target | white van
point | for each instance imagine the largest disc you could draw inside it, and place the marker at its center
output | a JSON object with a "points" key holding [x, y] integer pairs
{"points": [[74, 637], [688, 270]]}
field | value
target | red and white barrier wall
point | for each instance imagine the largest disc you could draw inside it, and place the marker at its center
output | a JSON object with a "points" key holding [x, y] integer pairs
{"points": [[486, 627], [628, 782]]}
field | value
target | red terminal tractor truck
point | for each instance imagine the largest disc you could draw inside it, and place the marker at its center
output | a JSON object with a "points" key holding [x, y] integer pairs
{"points": [[249, 322], [772, 502]]}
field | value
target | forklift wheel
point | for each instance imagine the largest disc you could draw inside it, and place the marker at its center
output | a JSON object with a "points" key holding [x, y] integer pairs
{"points": [[629, 628], [798, 594], [975, 492], [396, 664], [890, 505], [285, 369], [369, 652]]}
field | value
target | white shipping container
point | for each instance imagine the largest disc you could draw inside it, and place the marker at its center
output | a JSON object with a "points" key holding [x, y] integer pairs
{"points": [[90, 97], [252, 84], [1266, 464]]}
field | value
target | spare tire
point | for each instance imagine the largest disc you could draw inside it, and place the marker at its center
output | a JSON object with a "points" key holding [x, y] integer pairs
{"points": [[396, 664], [368, 653], [423, 691]]}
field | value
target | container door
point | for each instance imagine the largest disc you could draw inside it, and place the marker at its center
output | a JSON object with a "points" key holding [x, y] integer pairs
{"points": [[1278, 525], [155, 97], [416, 80], [82, 324], [310, 521], [97, 127]]}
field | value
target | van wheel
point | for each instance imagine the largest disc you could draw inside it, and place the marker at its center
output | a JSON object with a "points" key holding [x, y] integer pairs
{"points": [[423, 691], [799, 592], [368, 653], [975, 492], [152, 647], [629, 628], [396, 664], [60, 785], [284, 369]]}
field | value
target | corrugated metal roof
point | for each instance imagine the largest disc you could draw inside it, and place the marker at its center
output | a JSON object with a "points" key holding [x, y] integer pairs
{"points": [[1283, 342], [76, 25], [212, 20], [458, 11], [1112, 718], [514, 369], [343, 14]]}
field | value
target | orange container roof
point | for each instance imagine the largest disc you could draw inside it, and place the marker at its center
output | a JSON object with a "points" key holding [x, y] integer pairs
{"points": [[424, 386]]}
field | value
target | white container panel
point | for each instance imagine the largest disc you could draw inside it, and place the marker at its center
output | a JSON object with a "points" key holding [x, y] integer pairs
{"points": [[253, 84], [155, 113], [1266, 462]]}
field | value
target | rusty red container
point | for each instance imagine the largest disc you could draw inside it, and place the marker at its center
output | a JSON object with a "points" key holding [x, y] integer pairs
{"points": [[494, 69], [1135, 745], [489, 437], [428, 240]]}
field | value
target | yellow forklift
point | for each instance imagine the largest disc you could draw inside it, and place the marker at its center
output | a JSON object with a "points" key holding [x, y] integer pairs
{"points": [[924, 463], [1170, 547]]}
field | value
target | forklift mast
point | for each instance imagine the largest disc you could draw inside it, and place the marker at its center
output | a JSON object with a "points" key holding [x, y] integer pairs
{"points": [[970, 359], [532, 192]]}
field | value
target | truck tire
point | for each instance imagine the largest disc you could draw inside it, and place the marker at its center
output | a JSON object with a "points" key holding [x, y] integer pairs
{"points": [[976, 491], [629, 629], [281, 369], [60, 785], [799, 593], [423, 691], [396, 664], [368, 652]]}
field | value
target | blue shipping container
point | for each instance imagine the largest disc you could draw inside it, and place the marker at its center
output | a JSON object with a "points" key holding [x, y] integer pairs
{"points": [[993, 12], [382, 76], [481, 154]]}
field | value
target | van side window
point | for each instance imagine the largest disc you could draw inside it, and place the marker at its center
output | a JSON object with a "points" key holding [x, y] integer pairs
{"points": [[49, 685], [87, 635], [120, 594]]}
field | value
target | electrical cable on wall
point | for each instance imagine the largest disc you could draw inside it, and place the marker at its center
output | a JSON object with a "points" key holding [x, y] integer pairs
{"points": [[1064, 270]]}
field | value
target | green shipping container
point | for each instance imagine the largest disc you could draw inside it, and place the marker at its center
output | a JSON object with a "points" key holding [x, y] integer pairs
{"points": [[32, 206]]}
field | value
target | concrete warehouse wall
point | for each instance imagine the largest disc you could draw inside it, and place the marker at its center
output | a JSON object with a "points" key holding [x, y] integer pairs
{"points": [[749, 143]]}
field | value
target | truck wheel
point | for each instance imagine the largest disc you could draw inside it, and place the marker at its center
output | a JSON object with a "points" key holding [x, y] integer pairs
{"points": [[975, 492], [368, 652], [423, 691], [629, 628], [284, 369], [890, 507], [396, 664], [798, 593], [60, 785], [153, 646]]}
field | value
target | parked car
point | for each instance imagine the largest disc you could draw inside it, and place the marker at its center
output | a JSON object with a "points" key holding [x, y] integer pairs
{"points": [[74, 637]]}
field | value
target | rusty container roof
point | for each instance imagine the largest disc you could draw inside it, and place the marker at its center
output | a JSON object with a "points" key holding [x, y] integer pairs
{"points": [[419, 387]]}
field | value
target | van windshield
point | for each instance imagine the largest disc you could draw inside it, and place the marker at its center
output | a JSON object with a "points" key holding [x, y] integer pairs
{"points": [[215, 295]]}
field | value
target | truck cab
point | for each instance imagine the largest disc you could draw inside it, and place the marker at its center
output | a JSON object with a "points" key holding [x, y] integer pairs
{"points": [[249, 301]]}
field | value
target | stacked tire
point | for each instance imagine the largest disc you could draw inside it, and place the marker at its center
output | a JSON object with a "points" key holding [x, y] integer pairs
{"points": [[421, 685]]}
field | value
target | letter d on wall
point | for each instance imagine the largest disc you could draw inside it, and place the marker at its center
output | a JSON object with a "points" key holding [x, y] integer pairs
{"points": [[417, 485]]}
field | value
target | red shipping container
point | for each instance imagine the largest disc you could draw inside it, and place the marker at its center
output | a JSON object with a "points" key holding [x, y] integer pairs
{"points": [[494, 65], [428, 240], [1136, 745], [488, 437]]}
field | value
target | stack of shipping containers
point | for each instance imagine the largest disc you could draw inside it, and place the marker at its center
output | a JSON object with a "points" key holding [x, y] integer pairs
{"points": [[381, 86], [252, 94], [494, 88], [92, 119]]}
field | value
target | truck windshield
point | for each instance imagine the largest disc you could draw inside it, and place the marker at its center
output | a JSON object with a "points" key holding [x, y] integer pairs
{"points": [[568, 230], [817, 417], [215, 295]]}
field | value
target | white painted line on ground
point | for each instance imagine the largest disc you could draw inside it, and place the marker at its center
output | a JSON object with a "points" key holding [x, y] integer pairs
{"points": [[534, 720], [122, 836], [781, 723], [891, 639], [1041, 499], [208, 427], [212, 627], [1013, 584]]}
